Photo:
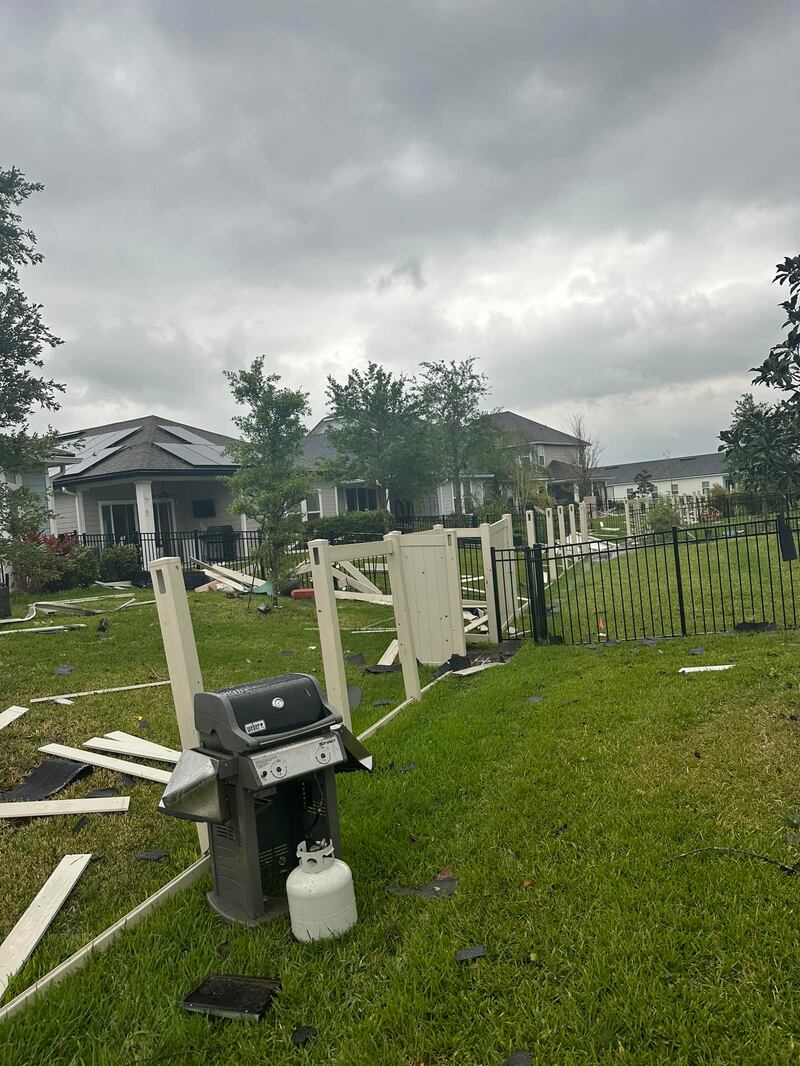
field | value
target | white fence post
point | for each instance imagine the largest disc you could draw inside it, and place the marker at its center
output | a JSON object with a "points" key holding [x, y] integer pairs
{"points": [[562, 530], [628, 529], [530, 528], [181, 652], [330, 638], [584, 517], [402, 615], [488, 582], [551, 529], [573, 525], [453, 564]]}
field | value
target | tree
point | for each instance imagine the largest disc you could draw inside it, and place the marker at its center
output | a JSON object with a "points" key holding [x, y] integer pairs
{"points": [[781, 369], [644, 483], [761, 446], [23, 338], [269, 484], [587, 456], [379, 435], [450, 395]]}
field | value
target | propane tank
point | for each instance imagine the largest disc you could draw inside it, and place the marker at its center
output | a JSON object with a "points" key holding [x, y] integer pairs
{"points": [[322, 902]]}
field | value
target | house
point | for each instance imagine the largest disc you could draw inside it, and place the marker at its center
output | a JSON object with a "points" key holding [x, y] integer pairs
{"points": [[552, 455], [38, 483], [150, 480], [687, 475]]}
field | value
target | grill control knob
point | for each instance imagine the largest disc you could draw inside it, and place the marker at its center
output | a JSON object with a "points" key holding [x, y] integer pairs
{"points": [[323, 756], [278, 769]]}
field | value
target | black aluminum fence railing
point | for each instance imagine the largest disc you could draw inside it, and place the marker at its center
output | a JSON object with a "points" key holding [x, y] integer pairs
{"points": [[686, 582]]}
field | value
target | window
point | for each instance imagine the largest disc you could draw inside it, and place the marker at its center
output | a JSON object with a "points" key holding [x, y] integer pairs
{"points": [[540, 458], [363, 498], [706, 486], [312, 507], [674, 489], [631, 493], [203, 509], [119, 521]]}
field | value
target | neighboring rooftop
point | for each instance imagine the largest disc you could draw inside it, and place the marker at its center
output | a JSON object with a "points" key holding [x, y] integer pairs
{"points": [[530, 432], [707, 465], [150, 445]]}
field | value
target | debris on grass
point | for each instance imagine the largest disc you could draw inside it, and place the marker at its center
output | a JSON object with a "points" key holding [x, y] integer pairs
{"points": [[102, 625], [11, 714], [439, 888], [353, 696], [697, 651], [81, 823], [535, 699], [755, 627], [152, 856], [50, 777], [444, 873], [394, 668], [286, 653], [704, 669], [264, 608], [406, 768], [65, 669], [102, 793], [356, 659], [469, 954], [651, 642], [519, 1058], [743, 853], [382, 703], [301, 1034], [232, 996]]}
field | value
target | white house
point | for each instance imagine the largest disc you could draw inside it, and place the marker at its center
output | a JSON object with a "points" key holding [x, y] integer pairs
{"points": [[688, 475]]}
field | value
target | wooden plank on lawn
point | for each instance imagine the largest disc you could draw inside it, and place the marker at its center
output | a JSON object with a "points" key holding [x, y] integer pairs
{"points": [[121, 747], [364, 597], [122, 766], [99, 691], [390, 654], [104, 939], [145, 745], [11, 714], [18, 946], [43, 629], [43, 808]]}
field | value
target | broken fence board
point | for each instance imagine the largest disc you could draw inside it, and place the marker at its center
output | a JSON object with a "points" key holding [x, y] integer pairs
{"points": [[122, 766], [225, 574], [122, 747], [364, 597], [99, 691], [357, 578], [481, 620], [43, 629], [704, 669], [390, 654], [474, 669], [147, 745], [11, 714], [44, 808], [18, 946], [101, 942]]}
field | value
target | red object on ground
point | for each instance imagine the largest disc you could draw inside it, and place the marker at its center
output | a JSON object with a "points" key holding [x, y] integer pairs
{"points": [[302, 594]]}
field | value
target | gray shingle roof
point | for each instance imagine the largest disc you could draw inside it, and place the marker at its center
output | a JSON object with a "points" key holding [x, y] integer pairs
{"points": [[708, 465], [139, 452], [531, 432]]}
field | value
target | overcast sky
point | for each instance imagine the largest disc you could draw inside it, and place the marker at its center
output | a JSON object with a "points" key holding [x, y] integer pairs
{"points": [[588, 197]]}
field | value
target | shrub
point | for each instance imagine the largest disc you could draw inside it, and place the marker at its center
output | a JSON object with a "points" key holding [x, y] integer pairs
{"points": [[81, 570], [120, 562], [663, 516], [35, 564], [361, 522]]}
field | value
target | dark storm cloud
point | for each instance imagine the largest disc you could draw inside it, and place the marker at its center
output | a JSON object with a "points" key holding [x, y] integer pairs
{"points": [[329, 183]]}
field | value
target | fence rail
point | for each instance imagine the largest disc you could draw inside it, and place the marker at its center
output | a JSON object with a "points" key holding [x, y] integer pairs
{"points": [[686, 582]]}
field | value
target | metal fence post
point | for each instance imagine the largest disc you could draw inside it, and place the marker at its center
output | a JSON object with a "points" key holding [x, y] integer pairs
{"points": [[534, 571], [679, 579], [498, 625]]}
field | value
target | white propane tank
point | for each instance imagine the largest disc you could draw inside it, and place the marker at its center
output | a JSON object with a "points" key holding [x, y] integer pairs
{"points": [[322, 902]]}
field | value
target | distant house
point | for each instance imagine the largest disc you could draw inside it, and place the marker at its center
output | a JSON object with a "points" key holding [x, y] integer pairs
{"points": [[551, 451], [687, 475], [39, 483], [149, 475]]}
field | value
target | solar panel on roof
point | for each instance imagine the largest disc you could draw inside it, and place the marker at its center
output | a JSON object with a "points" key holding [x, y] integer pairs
{"points": [[92, 445], [91, 460], [185, 435], [195, 455]]}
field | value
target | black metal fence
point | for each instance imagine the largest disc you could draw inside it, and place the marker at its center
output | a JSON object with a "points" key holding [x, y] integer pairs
{"points": [[687, 582]]}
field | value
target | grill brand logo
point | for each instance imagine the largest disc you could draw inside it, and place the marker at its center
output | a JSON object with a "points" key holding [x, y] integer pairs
{"points": [[255, 727]]}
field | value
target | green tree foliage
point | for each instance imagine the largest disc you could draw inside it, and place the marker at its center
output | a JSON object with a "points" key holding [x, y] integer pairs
{"points": [[662, 516], [781, 369], [380, 435], [270, 482], [761, 446], [23, 338], [465, 437], [644, 483]]}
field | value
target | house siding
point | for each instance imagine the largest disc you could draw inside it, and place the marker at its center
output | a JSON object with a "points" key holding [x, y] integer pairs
{"points": [[327, 500], [687, 486], [66, 513]]}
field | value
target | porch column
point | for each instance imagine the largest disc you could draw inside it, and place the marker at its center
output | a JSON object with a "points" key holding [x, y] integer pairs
{"points": [[144, 506], [80, 515], [147, 521]]}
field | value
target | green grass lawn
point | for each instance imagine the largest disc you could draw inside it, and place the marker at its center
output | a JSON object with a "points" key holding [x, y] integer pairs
{"points": [[635, 592], [562, 820]]}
